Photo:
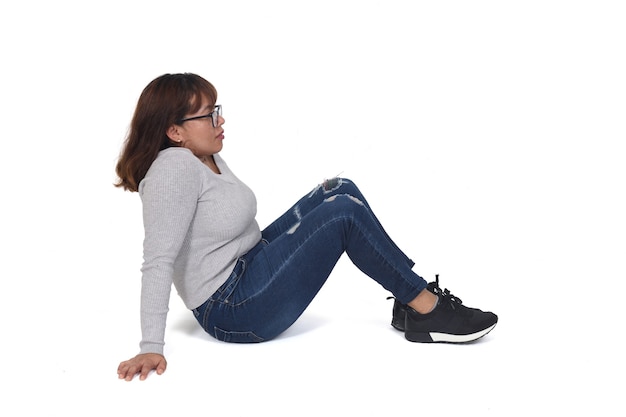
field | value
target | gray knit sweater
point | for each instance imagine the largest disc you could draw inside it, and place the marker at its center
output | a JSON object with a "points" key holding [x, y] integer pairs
{"points": [[197, 223]]}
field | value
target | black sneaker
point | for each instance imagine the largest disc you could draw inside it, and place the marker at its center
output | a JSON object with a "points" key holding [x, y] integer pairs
{"points": [[449, 322]]}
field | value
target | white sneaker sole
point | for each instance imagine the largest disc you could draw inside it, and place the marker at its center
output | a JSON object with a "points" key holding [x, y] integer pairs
{"points": [[459, 338]]}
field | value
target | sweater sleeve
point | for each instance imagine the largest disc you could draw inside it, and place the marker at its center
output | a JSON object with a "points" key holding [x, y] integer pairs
{"points": [[169, 194]]}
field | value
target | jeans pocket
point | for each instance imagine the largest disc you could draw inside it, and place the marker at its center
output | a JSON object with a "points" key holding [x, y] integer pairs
{"points": [[236, 337]]}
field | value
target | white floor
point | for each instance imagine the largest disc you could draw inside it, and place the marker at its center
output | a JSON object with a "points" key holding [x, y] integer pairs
{"points": [[488, 136], [549, 354]]}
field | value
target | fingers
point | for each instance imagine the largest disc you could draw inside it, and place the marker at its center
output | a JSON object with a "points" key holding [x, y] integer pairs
{"points": [[127, 371], [142, 365], [122, 370], [161, 367], [146, 368]]}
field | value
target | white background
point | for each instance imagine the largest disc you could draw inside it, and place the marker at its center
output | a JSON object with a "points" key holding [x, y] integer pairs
{"points": [[487, 135]]}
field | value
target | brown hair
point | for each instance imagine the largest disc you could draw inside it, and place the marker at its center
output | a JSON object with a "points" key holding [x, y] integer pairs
{"points": [[162, 103]]}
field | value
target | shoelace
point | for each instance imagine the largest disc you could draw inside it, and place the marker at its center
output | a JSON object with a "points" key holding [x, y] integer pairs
{"points": [[445, 295]]}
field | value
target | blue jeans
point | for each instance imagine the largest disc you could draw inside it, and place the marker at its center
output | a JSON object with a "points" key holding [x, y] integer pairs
{"points": [[273, 283]]}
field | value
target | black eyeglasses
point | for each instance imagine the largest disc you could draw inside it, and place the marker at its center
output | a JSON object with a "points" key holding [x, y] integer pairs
{"points": [[214, 115]]}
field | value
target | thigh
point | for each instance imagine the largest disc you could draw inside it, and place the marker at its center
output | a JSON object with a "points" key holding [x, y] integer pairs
{"points": [[282, 279]]}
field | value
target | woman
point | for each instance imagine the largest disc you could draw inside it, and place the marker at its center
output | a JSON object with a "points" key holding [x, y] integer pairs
{"points": [[241, 283]]}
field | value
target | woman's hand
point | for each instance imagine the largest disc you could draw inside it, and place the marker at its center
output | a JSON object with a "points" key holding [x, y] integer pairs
{"points": [[142, 364]]}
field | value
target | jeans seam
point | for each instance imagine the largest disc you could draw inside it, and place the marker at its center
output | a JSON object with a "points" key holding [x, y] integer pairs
{"points": [[393, 266], [207, 312]]}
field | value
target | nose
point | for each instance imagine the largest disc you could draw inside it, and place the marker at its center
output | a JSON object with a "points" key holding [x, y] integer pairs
{"points": [[220, 120]]}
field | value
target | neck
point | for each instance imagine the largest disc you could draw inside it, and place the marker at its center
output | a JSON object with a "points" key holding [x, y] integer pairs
{"points": [[210, 162]]}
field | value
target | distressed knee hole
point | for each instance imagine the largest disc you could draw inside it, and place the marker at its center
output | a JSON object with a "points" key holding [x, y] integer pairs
{"points": [[331, 184], [334, 197]]}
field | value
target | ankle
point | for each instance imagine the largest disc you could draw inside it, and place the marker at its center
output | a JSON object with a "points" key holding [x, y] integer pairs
{"points": [[425, 302]]}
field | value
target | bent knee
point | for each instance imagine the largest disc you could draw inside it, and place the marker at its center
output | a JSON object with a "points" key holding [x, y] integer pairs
{"points": [[345, 185]]}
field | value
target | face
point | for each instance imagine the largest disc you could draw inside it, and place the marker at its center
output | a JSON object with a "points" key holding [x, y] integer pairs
{"points": [[199, 135]]}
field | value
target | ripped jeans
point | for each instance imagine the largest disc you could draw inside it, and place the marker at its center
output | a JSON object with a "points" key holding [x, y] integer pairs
{"points": [[273, 283]]}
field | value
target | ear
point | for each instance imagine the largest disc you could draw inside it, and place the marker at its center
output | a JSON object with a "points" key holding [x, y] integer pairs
{"points": [[173, 132]]}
